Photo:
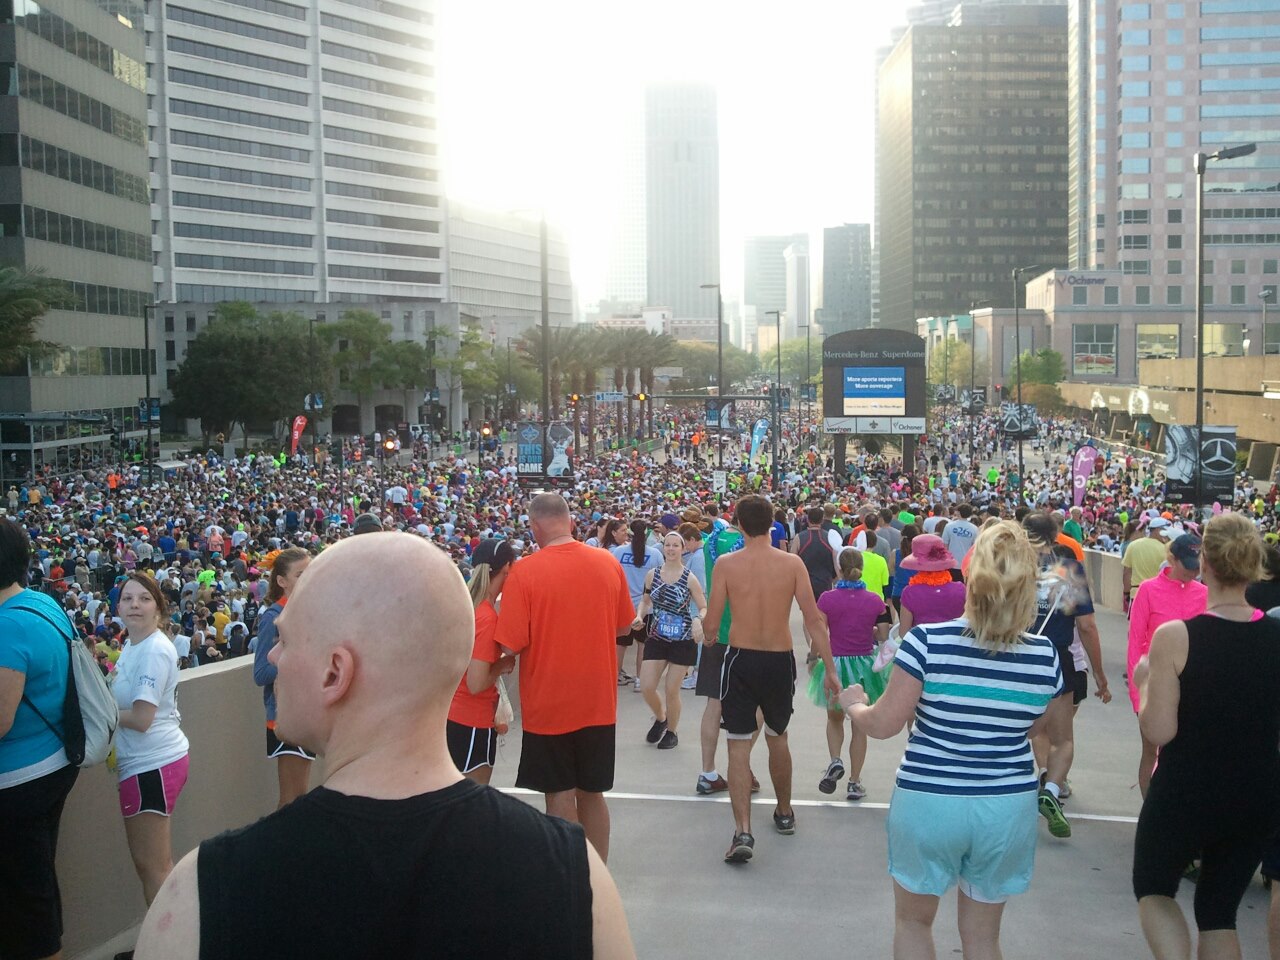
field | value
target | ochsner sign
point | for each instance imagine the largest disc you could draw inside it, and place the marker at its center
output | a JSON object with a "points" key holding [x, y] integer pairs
{"points": [[1080, 280]]}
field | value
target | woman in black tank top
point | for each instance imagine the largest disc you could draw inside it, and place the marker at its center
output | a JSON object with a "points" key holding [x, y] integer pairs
{"points": [[1209, 701]]}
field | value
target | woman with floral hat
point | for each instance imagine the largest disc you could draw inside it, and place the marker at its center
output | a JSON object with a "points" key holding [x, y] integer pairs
{"points": [[931, 595]]}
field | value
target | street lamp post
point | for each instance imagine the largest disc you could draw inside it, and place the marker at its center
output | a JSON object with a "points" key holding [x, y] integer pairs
{"points": [[719, 368], [808, 373], [1017, 347], [1266, 297], [148, 317], [311, 376], [973, 355], [544, 275], [777, 396], [1201, 163]]}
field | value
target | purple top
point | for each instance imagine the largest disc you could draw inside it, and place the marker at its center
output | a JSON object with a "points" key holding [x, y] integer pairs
{"points": [[851, 617], [934, 604]]}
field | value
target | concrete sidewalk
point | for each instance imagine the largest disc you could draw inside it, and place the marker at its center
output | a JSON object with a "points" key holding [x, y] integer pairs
{"points": [[825, 890]]}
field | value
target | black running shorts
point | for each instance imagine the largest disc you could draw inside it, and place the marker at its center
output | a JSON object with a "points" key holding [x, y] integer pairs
{"points": [[709, 670], [578, 760], [681, 653], [471, 747], [752, 680], [278, 748]]}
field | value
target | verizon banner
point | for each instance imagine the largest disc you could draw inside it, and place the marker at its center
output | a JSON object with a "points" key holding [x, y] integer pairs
{"points": [[299, 424], [1081, 469]]}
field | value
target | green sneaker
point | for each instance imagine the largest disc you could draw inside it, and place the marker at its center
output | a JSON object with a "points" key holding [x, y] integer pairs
{"points": [[1051, 810]]}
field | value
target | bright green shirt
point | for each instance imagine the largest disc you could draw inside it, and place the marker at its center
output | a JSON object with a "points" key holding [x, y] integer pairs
{"points": [[875, 572]]}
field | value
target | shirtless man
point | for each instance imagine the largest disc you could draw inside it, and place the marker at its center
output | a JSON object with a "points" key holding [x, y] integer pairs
{"points": [[368, 655], [759, 672]]}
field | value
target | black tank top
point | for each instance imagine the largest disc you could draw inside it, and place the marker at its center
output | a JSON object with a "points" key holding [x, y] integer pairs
{"points": [[463, 872], [1228, 714], [816, 554]]}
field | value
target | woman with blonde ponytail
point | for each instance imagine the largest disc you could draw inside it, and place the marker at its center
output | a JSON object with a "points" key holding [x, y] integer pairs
{"points": [[963, 812], [473, 741]]}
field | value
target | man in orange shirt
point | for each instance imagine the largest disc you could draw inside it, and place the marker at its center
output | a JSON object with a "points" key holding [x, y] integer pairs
{"points": [[562, 611]]}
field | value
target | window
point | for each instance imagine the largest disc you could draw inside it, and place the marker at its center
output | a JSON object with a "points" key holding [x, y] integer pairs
{"points": [[74, 168], [1158, 341], [1111, 296], [168, 323], [1173, 114], [274, 6], [381, 194], [378, 166], [170, 350], [1134, 141], [1173, 296], [60, 228], [204, 201], [1135, 165], [191, 323], [377, 86], [1080, 296], [1174, 267], [1173, 139], [1093, 349], [383, 247], [1237, 295], [204, 171], [375, 59], [1135, 64], [1175, 216], [1142, 296], [243, 87], [1135, 267], [1135, 88], [380, 220], [1270, 266], [1175, 241], [38, 88], [204, 293], [1135, 191], [197, 261], [393, 10], [49, 26], [1237, 266], [365, 29], [1135, 38], [1173, 164], [249, 148], [380, 273], [225, 54], [1223, 340], [1135, 115], [1206, 293], [1135, 216], [378, 140], [190, 108], [1135, 11], [239, 27], [371, 112], [1173, 88], [1137, 241], [208, 231]]}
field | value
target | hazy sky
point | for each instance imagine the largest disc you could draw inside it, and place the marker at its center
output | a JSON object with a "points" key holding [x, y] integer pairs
{"points": [[534, 98]]}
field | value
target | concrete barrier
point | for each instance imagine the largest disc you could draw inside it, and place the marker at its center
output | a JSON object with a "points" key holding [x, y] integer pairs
{"points": [[1106, 579], [232, 783]]}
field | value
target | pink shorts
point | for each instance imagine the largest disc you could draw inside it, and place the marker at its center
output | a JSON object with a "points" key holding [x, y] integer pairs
{"points": [[154, 791]]}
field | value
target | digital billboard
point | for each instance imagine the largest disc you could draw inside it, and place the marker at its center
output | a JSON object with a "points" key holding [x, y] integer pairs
{"points": [[875, 391]]}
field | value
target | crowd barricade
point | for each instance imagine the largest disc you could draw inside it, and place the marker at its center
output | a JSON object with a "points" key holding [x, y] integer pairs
{"points": [[232, 783], [1106, 579]]}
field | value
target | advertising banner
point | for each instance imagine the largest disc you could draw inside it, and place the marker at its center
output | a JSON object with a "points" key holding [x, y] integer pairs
{"points": [[560, 442], [758, 433], [1018, 420], [1213, 454], [530, 465], [720, 414], [1081, 470], [295, 434], [875, 391]]}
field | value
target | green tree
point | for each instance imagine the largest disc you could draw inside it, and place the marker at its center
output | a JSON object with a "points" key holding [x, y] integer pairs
{"points": [[698, 361], [361, 360], [1043, 366], [25, 297], [794, 369], [949, 363]]}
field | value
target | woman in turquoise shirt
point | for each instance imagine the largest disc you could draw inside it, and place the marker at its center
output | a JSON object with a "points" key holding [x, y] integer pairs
{"points": [[35, 775]]}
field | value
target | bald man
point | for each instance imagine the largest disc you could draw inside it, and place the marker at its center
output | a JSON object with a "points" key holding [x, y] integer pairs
{"points": [[397, 854], [562, 611]]}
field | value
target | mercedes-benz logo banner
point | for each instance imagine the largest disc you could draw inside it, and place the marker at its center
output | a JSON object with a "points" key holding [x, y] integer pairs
{"points": [[1214, 456]]}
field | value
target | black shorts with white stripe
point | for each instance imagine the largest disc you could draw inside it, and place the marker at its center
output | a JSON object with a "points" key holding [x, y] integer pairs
{"points": [[471, 747]]}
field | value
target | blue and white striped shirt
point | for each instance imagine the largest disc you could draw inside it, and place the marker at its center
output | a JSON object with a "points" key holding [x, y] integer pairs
{"points": [[970, 731]]}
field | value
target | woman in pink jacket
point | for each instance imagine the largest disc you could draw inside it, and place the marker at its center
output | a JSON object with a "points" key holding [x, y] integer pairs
{"points": [[1172, 594]]}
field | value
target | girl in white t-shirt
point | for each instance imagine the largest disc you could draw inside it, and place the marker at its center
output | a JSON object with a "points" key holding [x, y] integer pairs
{"points": [[150, 747]]}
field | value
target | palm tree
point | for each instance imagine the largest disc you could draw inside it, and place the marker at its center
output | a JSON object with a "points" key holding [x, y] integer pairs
{"points": [[657, 350], [25, 297], [592, 354]]}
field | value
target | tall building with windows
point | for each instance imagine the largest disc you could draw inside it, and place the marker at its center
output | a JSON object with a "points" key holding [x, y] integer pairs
{"points": [[682, 197], [971, 160], [73, 158], [294, 151], [846, 277], [1161, 82], [764, 281]]}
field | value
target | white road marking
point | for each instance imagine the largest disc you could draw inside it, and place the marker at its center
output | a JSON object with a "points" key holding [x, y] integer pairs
{"points": [[768, 801]]}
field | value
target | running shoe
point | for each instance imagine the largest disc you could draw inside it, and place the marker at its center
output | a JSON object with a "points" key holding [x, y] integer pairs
{"points": [[669, 740], [755, 784], [1066, 790], [835, 771], [690, 682], [856, 791], [784, 823], [624, 678], [656, 731], [636, 685], [1051, 810], [742, 848], [706, 787]]}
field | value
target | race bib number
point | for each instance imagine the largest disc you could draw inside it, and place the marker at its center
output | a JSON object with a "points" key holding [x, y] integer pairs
{"points": [[668, 626]]}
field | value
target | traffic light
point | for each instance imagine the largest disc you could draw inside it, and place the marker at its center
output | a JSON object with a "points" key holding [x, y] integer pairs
{"points": [[1000, 390], [389, 445], [575, 398], [486, 430], [642, 397]]}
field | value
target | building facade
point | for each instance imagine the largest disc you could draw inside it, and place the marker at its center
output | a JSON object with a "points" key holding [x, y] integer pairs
{"points": [[1165, 81], [682, 197], [971, 160], [74, 166], [764, 282], [799, 310], [846, 277], [294, 151]]}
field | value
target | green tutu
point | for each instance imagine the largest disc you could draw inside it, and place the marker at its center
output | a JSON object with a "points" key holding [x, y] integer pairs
{"points": [[850, 670]]}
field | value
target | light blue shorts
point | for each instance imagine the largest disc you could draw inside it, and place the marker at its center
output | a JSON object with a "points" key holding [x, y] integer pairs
{"points": [[986, 845]]}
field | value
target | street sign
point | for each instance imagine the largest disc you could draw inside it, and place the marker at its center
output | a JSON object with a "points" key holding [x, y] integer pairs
{"points": [[610, 396], [719, 481], [151, 415]]}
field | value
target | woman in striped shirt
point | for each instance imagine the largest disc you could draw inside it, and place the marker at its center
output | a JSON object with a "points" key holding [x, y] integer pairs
{"points": [[964, 808]]}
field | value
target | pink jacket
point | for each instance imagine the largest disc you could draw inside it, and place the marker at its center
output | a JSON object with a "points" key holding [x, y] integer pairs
{"points": [[1158, 601]]}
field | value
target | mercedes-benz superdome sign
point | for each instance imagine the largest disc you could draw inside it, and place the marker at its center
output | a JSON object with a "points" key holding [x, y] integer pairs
{"points": [[873, 375]]}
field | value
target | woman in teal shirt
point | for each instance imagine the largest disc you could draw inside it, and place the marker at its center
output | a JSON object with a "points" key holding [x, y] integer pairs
{"points": [[35, 775]]}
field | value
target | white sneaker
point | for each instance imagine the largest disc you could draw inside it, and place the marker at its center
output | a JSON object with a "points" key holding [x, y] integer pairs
{"points": [[636, 685], [690, 682]]}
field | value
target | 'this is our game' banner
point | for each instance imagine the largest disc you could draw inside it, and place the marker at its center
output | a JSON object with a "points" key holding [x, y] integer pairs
{"points": [[295, 434], [1082, 466]]}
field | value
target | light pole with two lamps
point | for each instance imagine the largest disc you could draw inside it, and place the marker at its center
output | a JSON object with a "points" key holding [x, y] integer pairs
{"points": [[776, 427], [1201, 162], [1017, 347], [973, 355]]}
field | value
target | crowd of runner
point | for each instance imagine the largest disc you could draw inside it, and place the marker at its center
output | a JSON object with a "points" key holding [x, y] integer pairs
{"points": [[882, 557]]}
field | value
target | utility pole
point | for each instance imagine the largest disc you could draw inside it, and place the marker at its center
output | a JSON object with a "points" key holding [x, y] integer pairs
{"points": [[776, 426]]}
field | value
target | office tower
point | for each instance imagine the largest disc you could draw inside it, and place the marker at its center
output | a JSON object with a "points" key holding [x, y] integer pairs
{"points": [[1167, 80], [294, 149], [682, 194], [971, 160], [76, 207], [799, 311], [846, 277], [626, 284], [764, 281]]}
